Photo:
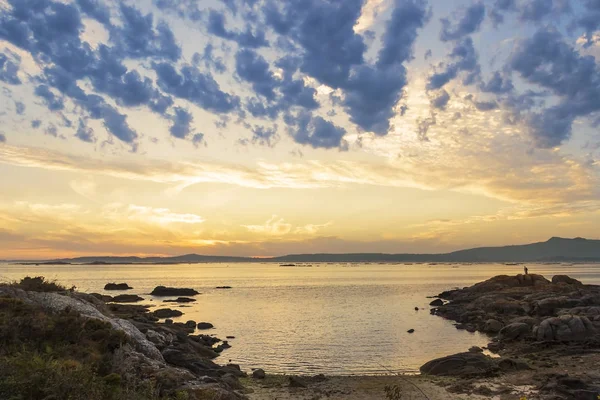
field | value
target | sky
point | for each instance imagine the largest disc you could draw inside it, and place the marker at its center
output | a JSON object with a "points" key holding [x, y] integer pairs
{"points": [[263, 127]]}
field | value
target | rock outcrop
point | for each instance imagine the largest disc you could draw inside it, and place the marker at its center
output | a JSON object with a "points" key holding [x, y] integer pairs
{"points": [[462, 364], [117, 286], [565, 328], [163, 291]]}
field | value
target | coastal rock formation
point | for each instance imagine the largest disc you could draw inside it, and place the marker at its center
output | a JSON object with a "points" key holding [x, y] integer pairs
{"points": [[117, 286], [205, 325], [437, 303], [565, 328], [492, 326], [565, 279], [515, 331], [259, 374], [462, 364], [167, 313], [163, 291]]}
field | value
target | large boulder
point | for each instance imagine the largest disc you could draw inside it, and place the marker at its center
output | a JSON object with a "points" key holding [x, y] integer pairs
{"points": [[505, 281], [462, 364], [549, 306], [190, 361], [205, 325], [170, 291], [493, 326], [566, 280], [565, 328], [515, 331]]}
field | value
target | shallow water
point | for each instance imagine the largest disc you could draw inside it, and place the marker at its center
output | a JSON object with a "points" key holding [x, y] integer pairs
{"points": [[328, 318]]}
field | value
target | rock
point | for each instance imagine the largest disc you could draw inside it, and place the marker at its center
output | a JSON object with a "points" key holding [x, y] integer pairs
{"points": [[462, 364], [168, 321], [232, 382], [127, 298], [556, 279], [229, 337], [565, 328], [191, 324], [117, 286], [319, 378], [411, 331], [548, 306], [514, 331], [225, 344], [475, 349], [297, 382], [190, 361], [259, 374], [493, 326], [416, 308], [159, 339], [167, 313], [180, 300], [234, 369], [170, 291], [205, 325], [509, 364], [495, 346], [103, 297], [437, 303], [223, 287]]}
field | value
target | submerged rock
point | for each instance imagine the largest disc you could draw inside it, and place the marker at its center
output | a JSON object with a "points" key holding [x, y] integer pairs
{"points": [[205, 325], [437, 303], [170, 291], [127, 298], [493, 326], [180, 300], [117, 286], [167, 313]]}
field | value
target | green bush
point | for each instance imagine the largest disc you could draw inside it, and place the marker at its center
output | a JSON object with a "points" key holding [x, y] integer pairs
{"points": [[40, 284]]}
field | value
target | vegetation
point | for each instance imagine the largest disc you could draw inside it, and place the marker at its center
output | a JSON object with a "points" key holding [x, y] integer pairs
{"points": [[62, 356]]}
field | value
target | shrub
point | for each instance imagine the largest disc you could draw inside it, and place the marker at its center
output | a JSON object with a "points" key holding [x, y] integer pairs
{"points": [[40, 284]]}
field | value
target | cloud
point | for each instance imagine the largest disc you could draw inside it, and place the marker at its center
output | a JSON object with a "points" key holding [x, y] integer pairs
{"points": [[497, 85], [253, 68], [465, 59], [154, 215], [199, 88], [210, 60], [265, 136], [9, 70], [548, 61], [182, 121], [2, 138], [276, 226], [20, 107], [198, 139], [317, 132], [441, 100], [85, 133], [36, 123], [468, 21], [248, 38], [52, 101]]}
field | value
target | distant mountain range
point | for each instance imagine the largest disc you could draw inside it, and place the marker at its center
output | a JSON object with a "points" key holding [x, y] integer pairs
{"points": [[554, 250]]}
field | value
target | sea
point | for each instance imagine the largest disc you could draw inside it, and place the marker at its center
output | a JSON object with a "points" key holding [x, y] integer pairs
{"points": [[334, 319]]}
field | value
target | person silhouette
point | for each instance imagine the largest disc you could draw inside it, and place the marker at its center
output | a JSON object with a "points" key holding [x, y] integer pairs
{"points": [[526, 270]]}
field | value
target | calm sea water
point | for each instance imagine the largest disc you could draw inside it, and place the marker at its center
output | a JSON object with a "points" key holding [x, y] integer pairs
{"points": [[329, 318]]}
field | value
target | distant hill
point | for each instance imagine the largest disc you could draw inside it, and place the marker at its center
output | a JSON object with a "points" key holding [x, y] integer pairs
{"points": [[555, 249]]}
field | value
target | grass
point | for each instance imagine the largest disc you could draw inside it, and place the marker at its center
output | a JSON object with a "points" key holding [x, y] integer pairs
{"points": [[63, 356]]}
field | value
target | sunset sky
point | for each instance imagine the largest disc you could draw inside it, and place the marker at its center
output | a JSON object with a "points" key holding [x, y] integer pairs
{"points": [[262, 127]]}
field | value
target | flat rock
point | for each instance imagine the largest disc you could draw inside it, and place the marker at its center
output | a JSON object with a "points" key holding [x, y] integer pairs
{"points": [[565, 279], [462, 364], [117, 286], [515, 331], [167, 313], [127, 298], [170, 291], [205, 325], [180, 300]]}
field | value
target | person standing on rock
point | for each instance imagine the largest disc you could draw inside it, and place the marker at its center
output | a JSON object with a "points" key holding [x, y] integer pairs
{"points": [[526, 270]]}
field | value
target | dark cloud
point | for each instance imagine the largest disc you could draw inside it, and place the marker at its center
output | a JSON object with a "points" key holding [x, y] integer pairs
{"points": [[139, 37], [9, 70], [2, 138], [85, 133], [546, 60], [468, 21], [195, 86], [247, 38], [182, 123], [253, 68], [316, 132], [96, 10], [51, 130], [441, 100], [190, 9], [36, 123], [52, 101], [464, 59], [589, 20], [485, 105], [497, 84], [210, 60], [160, 103], [423, 126], [499, 8], [265, 136], [198, 139], [19, 108]]}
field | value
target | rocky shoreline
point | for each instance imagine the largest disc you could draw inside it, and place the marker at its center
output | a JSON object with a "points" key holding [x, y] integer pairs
{"points": [[546, 333], [544, 338]]}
